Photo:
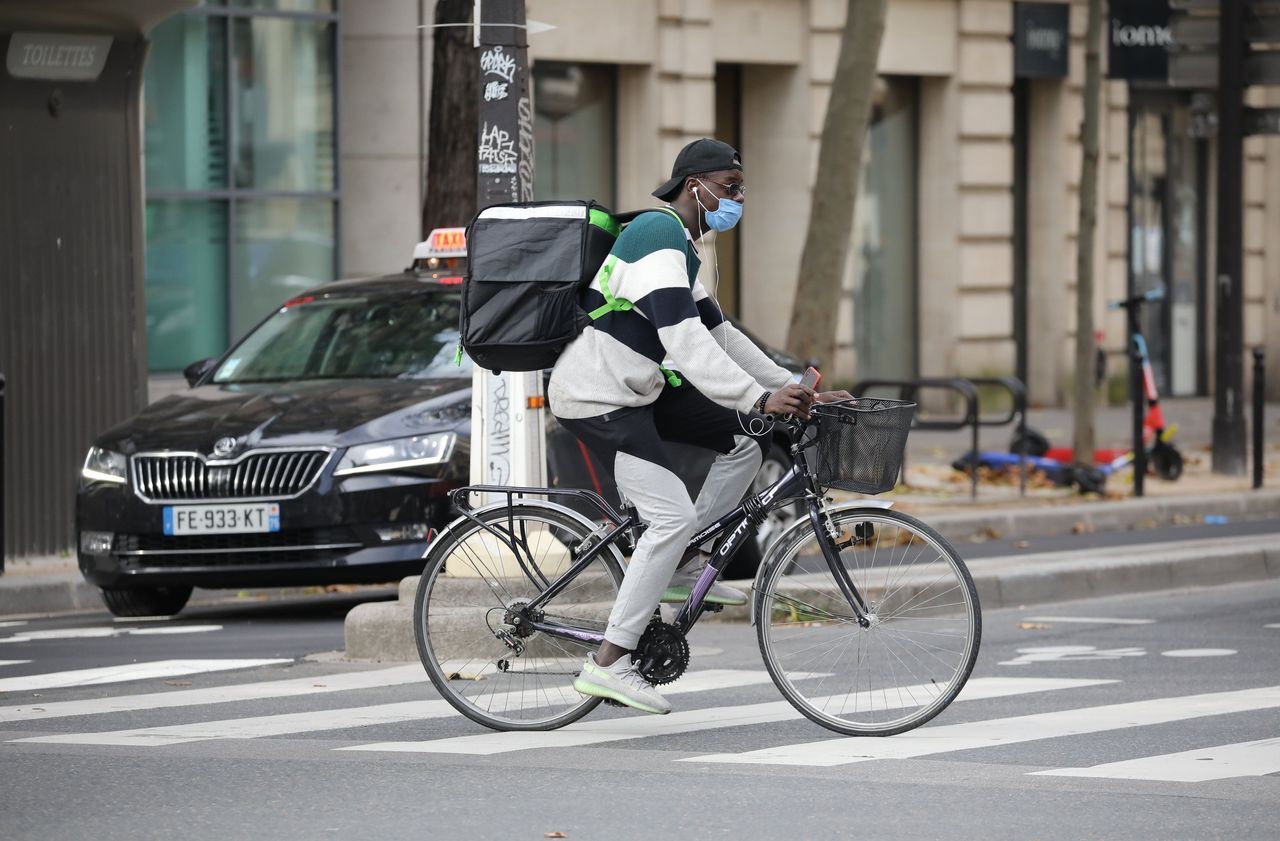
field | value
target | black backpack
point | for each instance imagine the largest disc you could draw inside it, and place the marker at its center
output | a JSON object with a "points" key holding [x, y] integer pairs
{"points": [[527, 265]]}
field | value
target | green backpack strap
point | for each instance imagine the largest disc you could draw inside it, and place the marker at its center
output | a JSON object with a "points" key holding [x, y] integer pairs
{"points": [[614, 304]]}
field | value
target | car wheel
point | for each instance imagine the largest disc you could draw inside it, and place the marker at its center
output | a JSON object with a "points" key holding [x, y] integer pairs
{"points": [[145, 601], [747, 561]]}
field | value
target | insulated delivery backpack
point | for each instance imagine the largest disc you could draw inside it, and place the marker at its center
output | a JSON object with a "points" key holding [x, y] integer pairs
{"points": [[527, 265]]}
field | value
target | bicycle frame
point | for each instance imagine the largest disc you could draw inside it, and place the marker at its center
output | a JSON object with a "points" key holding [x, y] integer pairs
{"points": [[730, 531]]}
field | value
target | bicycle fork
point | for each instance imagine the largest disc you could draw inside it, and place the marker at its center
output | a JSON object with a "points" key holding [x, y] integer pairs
{"points": [[831, 553]]}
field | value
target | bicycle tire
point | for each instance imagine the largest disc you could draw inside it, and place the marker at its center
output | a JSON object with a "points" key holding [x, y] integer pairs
{"points": [[456, 611], [802, 618]]}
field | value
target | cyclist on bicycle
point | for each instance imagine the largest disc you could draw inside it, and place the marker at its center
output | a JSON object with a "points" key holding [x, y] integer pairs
{"points": [[608, 388]]}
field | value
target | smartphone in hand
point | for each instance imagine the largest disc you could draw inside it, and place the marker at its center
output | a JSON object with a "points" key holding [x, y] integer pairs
{"points": [[810, 378]]}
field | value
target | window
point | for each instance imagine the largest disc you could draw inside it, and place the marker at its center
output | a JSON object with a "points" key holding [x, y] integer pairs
{"points": [[574, 131], [241, 169]]}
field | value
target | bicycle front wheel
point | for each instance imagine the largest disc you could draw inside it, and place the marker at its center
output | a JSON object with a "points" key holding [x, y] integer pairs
{"points": [[915, 654], [491, 668]]}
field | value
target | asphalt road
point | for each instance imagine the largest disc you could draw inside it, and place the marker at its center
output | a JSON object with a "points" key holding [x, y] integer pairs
{"points": [[309, 748]]}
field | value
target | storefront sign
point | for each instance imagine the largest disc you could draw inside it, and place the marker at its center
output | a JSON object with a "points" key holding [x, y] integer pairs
{"points": [[72, 58], [1041, 36], [1140, 39]]}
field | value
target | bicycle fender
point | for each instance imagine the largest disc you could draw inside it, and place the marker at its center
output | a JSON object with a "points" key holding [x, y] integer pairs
{"points": [[772, 554]]}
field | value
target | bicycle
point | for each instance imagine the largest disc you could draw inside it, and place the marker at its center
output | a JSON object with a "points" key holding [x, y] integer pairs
{"points": [[868, 620]]}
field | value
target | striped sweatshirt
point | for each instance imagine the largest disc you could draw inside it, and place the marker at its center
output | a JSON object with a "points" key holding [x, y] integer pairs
{"points": [[614, 362]]}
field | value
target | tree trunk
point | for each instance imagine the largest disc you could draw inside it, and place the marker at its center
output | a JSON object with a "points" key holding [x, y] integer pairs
{"points": [[450, 199], [812, 334], [1083, 408]]}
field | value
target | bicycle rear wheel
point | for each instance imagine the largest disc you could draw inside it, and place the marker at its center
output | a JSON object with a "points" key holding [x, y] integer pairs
{"points": [[924, 633], [463, 615]]}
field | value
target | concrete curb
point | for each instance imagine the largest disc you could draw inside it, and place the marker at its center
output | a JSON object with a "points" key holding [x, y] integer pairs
{"points": [[384, 631]]}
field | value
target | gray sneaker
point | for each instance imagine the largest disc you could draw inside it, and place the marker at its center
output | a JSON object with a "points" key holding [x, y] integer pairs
{"points": [[682, 584], [622, 683]]}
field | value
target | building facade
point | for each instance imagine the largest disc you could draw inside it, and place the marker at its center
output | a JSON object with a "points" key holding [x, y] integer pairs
{"points": [[963, 252]]}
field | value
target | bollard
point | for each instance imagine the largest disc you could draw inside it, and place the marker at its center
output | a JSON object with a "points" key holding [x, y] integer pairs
{"points": [[1259, 397], [1, 474], [1138, 393]]}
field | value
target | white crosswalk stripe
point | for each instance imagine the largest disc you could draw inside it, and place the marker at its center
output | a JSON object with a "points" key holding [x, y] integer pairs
{"points": [[292, 687], [13, 662], [927, 741], [619, 729], [126, 672], [1244, 759], [340, 719]]}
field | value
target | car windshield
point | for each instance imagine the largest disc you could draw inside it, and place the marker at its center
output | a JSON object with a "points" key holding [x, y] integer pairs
{"points": [[344, 336]]}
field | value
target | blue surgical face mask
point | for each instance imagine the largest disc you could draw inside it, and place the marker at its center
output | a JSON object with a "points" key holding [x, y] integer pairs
{"points": [[726, 214]]}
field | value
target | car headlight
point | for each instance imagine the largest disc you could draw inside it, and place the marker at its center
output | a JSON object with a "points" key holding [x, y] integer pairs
{"points": [[398, 454], [103, 466]]}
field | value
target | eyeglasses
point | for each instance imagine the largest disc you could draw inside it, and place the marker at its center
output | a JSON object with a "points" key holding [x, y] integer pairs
{"points": [[734, 189]]}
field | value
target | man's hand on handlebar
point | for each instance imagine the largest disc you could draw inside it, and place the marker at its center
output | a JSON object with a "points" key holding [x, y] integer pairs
{"points": [[792, 399]]}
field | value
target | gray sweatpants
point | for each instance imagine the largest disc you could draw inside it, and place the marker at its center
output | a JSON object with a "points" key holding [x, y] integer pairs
{"points": [[662, 501]]}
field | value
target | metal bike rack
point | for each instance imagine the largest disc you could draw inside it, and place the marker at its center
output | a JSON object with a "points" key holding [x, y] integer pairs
{"points": [[907, 390], [972, 417]]}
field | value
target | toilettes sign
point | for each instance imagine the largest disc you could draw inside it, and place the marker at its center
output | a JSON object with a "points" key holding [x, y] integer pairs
{"points": [[57, 56]]}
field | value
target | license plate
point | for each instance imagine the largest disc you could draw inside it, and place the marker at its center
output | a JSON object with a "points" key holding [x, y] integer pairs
{"points": [[240, 518]]}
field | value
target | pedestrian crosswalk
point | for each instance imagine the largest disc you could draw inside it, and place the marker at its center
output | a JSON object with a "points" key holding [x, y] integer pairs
{"points": [[182, 716]]}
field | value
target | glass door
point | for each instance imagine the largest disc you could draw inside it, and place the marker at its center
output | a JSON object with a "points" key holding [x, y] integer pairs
{"points": [[1166, 222]]}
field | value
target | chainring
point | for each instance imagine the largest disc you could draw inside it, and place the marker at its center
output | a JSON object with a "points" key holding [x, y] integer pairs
{"points": [[662, 654]]}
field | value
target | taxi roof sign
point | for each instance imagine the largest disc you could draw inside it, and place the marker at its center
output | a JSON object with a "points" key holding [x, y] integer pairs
{"points": [[442, 242]]}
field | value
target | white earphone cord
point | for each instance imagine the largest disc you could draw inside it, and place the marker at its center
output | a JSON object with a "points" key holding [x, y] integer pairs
{"points": [[756, 426]]}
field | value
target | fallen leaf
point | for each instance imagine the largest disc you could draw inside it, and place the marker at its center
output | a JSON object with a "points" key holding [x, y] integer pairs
{"points": [[1033, 626], [554, 835], [1083, 528], [318, 685], [177, 683], [1022, 544]]}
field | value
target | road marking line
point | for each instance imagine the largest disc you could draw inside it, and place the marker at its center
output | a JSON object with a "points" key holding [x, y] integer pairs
{"points": [[13, 662], [293, 687], [1089, 620], [1244, 759], [129, 671], [1006, 731], [1199, 652], [1272, 625], [13, 624], [102, 633], [341, 719], [619, 729]]}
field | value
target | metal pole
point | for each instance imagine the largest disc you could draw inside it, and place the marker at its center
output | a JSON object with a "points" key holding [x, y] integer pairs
{"points": [[2, 384], [1259, 398], [1138, 394], [1228, 404]]}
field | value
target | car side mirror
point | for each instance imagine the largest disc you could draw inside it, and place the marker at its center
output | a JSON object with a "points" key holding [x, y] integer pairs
{"points": [[196, 370]]}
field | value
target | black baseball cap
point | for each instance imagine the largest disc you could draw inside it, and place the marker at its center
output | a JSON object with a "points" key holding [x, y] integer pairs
{"points": [[705, 155]]}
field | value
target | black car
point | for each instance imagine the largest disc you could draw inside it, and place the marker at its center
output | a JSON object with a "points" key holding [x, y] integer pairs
{"points": [[320, 449]]}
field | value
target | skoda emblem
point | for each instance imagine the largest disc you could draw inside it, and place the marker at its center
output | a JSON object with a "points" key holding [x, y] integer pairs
{"points": [[224, 447]]}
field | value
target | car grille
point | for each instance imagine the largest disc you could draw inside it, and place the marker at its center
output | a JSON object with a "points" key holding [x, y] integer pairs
{"points": [[187, 477]]}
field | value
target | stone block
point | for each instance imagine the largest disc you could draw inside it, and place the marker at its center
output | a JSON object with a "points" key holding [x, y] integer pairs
{"points": [[986, 114], [988, 213], [1205, 569], [827, 14], [986, 264], [1254, 228], [671, 107], [379, 213], [824, 49], [986, 163], [986, 315], [986, 61], [377, 117], [671, 49], [989, 17], [394, 18]]}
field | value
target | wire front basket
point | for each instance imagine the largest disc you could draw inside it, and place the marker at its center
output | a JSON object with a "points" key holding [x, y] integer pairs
{"points": [[860, 443]]}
